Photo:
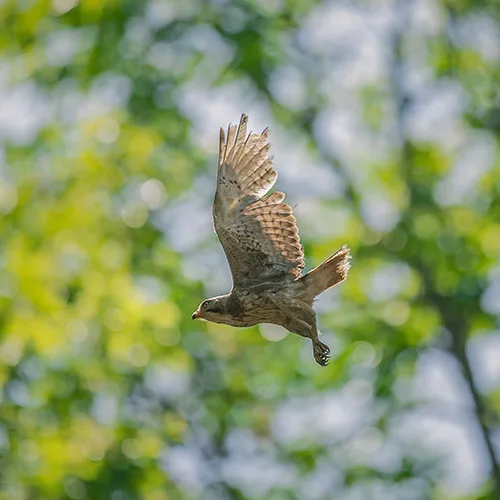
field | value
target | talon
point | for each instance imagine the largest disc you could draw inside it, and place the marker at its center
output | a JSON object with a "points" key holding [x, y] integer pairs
{"points": [[321, 353]]}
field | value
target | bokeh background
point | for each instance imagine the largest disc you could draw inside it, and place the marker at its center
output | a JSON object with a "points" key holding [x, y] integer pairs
{"points": [[385, 123]]}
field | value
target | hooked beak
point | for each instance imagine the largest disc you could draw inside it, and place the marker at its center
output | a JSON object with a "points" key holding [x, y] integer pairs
{"points": [[195, 315]]}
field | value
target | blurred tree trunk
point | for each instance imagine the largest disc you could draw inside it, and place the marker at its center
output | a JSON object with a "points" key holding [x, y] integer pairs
{"points": [[452, 314]]}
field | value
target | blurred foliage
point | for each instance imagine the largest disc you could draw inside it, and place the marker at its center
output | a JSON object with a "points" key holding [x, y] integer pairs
{"points": [[109, 390]]}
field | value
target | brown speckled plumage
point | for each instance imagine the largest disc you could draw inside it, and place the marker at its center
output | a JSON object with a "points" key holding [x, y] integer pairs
{"points": [[260, 237]]}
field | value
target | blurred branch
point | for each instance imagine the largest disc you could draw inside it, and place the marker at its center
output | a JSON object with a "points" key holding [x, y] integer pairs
{"points": [[453, 318], [456, 324]]}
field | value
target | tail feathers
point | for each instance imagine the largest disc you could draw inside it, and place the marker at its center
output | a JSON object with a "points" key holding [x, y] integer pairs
{"points": [[331, 272]]}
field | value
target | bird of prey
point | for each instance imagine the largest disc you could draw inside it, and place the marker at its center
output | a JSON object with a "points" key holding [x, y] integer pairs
{"points": [[259, 235]]}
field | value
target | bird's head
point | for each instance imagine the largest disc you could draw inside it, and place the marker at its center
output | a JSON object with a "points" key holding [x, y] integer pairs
{"points": [[211, 310]]}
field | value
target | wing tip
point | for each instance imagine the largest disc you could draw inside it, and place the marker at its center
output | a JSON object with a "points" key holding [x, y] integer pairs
{"points": [[222, 146], [242, 129]]}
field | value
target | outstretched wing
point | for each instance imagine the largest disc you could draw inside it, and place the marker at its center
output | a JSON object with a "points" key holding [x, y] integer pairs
{"points": [[257, 230]]}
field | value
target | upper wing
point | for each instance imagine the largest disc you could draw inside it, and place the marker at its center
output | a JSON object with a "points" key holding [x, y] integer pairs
{"points": [[257, 231]]}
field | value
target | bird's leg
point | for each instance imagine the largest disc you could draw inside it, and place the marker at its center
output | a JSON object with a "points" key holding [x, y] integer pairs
{"points": [[297, 326], [303, 322], [321, 351]]}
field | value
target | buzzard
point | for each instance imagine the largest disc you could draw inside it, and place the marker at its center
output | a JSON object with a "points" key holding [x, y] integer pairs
{"points": [[260, 238]]}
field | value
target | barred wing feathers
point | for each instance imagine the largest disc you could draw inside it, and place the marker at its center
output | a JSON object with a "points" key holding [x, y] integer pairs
{"points": [[257, 230]]}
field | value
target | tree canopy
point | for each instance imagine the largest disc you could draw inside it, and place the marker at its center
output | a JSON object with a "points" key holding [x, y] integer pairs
{"points": [[385, 124]]}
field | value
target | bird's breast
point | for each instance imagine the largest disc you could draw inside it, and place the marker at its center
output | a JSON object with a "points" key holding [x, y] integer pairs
{"points": [[254, 308]]}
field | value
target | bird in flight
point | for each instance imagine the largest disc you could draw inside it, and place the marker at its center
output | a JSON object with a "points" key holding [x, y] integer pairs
{"points": [[260, 238]]}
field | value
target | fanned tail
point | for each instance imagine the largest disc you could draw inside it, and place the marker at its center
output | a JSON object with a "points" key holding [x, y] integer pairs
{"points": [[331, 272]]}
